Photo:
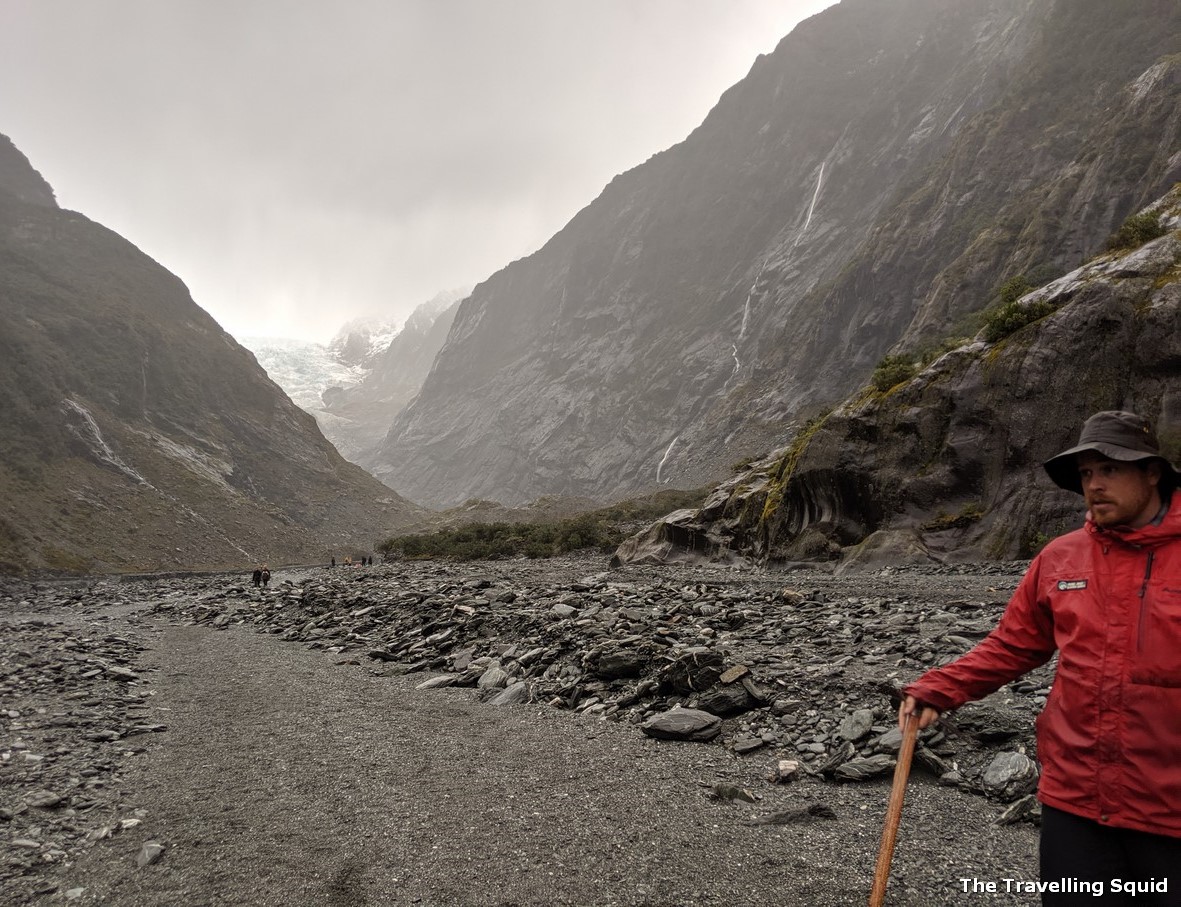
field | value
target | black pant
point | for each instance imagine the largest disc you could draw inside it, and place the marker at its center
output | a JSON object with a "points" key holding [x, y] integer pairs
{"points": [[1090, 856]]}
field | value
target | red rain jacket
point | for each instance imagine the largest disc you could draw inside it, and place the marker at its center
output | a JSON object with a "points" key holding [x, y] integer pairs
{"points": [[1109, 739]]}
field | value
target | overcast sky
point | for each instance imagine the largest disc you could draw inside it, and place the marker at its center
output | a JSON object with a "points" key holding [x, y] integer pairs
{"points": [[298, 163]]}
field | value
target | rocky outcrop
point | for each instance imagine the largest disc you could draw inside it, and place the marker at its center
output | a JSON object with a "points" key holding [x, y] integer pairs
{"points": [[947, 465], [138, 434], [868, 186]]}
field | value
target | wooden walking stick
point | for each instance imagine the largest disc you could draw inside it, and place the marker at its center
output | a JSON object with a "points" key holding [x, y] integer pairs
{"points": [[881, 873]]}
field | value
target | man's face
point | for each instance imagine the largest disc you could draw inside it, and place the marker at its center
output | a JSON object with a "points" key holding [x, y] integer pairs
{"points": [[1119, 493]]}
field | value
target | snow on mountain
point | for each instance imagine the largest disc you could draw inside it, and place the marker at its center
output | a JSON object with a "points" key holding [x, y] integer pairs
{"points": [[369, 370], [305, 370], [360, 341]]}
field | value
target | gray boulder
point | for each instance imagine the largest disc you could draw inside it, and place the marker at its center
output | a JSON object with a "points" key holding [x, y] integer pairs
{"points": [[683, 724], [620, 665], [512, 694], [1010, 776], [727, 699], [856, 725], [864, 769], [697, 669]]}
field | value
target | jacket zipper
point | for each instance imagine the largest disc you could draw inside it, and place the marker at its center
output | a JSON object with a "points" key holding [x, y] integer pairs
{"points": [[1144, 603]]}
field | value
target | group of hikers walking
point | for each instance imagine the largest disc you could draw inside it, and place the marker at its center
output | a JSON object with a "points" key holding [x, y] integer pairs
{"points": [[364, 561], [262, 573]]}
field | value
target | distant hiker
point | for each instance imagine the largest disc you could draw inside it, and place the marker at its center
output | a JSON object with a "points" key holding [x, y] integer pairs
{"points": [[1107, 598], [257, 577], [266, 575], [333, 564]]}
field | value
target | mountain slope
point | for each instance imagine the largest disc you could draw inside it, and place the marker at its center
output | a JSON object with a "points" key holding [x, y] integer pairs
{"points": [[138, 434], [868, 184], [947, 465]]}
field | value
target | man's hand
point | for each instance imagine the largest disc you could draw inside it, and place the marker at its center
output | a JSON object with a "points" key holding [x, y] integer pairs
{"points": [[910, 705]]}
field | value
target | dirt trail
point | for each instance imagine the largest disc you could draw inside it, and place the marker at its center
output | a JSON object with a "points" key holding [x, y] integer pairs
{"points": [[289, 776]]}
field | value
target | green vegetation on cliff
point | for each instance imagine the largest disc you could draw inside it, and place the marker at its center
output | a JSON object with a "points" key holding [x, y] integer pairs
{"points": [[1136, 231]]}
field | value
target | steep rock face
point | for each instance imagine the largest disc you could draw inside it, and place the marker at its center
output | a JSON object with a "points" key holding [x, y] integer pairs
{"points": [[138, 434], [360, 416], [1087, 130], [948, 464], [869, 184], [591, 367]]}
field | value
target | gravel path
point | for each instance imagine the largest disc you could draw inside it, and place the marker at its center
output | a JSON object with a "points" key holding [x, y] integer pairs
{"points": [[294, 776]]}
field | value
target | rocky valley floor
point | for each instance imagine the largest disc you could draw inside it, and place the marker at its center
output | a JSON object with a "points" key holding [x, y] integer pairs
{"points": [[470, 734]]}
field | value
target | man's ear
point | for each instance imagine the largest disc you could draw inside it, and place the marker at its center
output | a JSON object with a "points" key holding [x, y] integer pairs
{"points": [[1154, 472]]}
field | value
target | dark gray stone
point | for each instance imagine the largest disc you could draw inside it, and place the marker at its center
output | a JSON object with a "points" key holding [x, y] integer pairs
{"points": [[683, 724], [862, 769], [856, 725], [621, 664], [1010, 776], [726, 700], [696, 670]]}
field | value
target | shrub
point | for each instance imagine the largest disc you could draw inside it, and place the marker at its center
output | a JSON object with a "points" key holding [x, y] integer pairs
{"points": [[1013, 316], [1136, 231], [482, 541], [892, 371], [1014, 288]]}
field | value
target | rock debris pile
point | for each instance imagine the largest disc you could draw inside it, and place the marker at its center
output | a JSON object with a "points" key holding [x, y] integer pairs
{"points": [[74, 709], [789, 664], [797, 669]]}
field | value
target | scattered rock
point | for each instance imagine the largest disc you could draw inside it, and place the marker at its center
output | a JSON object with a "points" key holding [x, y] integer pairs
{"points": [[725, 700], [150, 853], [1010, 775], [494, 677], [695, 670], [784, 770], [748, 744], [621, 665], [791, 816], [803, 674], [735, 673], [862, 769], [514, 693], [724, 791], [683, 724], [857, 725], [1027, 809]]}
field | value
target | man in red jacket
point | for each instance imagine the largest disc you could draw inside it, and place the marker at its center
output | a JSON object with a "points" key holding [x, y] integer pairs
{"points": [[1107, 598]]}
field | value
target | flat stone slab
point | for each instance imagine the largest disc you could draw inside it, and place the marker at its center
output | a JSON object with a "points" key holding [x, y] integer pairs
{"points": [[683, 724]]}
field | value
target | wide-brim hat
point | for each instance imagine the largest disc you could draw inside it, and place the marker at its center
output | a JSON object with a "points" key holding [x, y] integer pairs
{"points": [[1116, 435]]}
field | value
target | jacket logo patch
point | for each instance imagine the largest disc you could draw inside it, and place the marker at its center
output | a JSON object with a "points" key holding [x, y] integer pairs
{"points": [[1068, 585]]}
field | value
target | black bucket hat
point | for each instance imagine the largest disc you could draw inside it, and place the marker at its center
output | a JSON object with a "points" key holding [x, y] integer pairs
{"points": [[1116, 435]]}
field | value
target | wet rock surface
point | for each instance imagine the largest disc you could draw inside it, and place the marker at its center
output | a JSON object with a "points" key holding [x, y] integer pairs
{"points": [[787, 678]]}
